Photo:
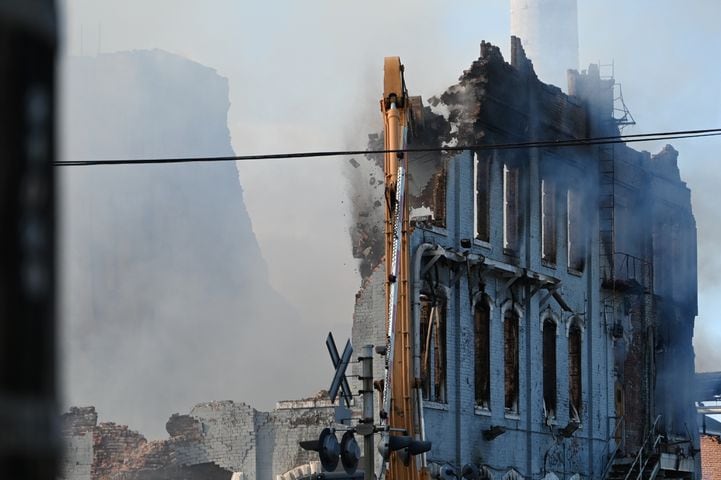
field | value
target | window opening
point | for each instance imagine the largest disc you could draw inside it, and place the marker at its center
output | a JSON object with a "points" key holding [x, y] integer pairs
{"points": [[576, 240], [433, 348], [510, 210], [548, 222], [482, 330], [549, 368], [481, 186], [510, 329], [574, 372]]}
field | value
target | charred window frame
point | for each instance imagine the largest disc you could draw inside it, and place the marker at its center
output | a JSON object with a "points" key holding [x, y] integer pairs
{"points": [[575, 393], [549, 235], [482, 189], [433, 347], [482, 353], [550, 380], [511, 351], [511, 217], [575, 234]]}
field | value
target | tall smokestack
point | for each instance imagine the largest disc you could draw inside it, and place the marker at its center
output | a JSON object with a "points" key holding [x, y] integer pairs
{"points": [[548, 30]]}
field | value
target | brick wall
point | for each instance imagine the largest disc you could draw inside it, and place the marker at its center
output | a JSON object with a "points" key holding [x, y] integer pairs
{"points": [[114, 447], [77, 428], [710, 457], [279, 432], [214, 439], [500, 103]]}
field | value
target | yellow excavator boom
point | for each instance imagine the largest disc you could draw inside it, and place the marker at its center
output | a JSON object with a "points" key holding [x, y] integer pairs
{"points": [[398, 396]]}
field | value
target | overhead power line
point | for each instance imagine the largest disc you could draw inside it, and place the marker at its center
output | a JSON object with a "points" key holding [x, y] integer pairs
{"points": [[579, 142]]}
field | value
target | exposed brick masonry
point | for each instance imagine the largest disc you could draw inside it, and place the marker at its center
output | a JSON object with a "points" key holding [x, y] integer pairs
{"points": [[213, 441], [710, 457]]}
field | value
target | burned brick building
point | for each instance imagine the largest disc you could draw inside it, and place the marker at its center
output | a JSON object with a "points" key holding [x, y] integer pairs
{"points": [[553, 303], [553, 288]]}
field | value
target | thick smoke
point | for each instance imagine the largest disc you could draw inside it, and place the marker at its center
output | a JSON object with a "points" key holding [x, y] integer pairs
{"points": [[707, 335], [708, 357], [300, 77], [695, 103], [294, 90], [166, 297], [549, 32]]}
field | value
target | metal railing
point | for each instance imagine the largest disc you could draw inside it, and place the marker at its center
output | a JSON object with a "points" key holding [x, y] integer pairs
{"points": [[639, 460], [611, 454], [631, 267]]}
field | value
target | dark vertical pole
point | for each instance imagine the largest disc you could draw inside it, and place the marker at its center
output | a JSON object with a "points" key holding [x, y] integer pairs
{"points": [[366, 358], [29, 442]]}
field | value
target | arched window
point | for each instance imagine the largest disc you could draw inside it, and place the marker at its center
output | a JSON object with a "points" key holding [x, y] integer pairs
{"points": [[549, 367], [482, 352], [511, 320], [433, 346], [574, 371]]}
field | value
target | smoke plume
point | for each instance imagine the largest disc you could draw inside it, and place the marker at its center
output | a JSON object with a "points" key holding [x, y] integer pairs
{"points": [[166, 296]]}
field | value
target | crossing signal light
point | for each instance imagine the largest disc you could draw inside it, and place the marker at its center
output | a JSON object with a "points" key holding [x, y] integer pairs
{"points": [[405, 445], [331, 452], [327, 447], [349, 453]]}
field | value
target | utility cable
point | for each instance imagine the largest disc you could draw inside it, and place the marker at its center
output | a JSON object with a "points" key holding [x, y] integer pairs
{"points": [[580, 142]]}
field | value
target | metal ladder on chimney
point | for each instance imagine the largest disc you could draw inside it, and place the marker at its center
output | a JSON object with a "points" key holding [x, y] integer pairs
{"points": [[607, 226], [621, 114]]}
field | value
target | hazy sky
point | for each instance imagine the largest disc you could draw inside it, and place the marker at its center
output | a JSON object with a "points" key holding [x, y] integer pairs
{"points": [[307, 76]]}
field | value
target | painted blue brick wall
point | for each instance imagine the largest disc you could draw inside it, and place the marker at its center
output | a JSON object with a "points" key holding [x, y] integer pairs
{"points": [[528, 445]]}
